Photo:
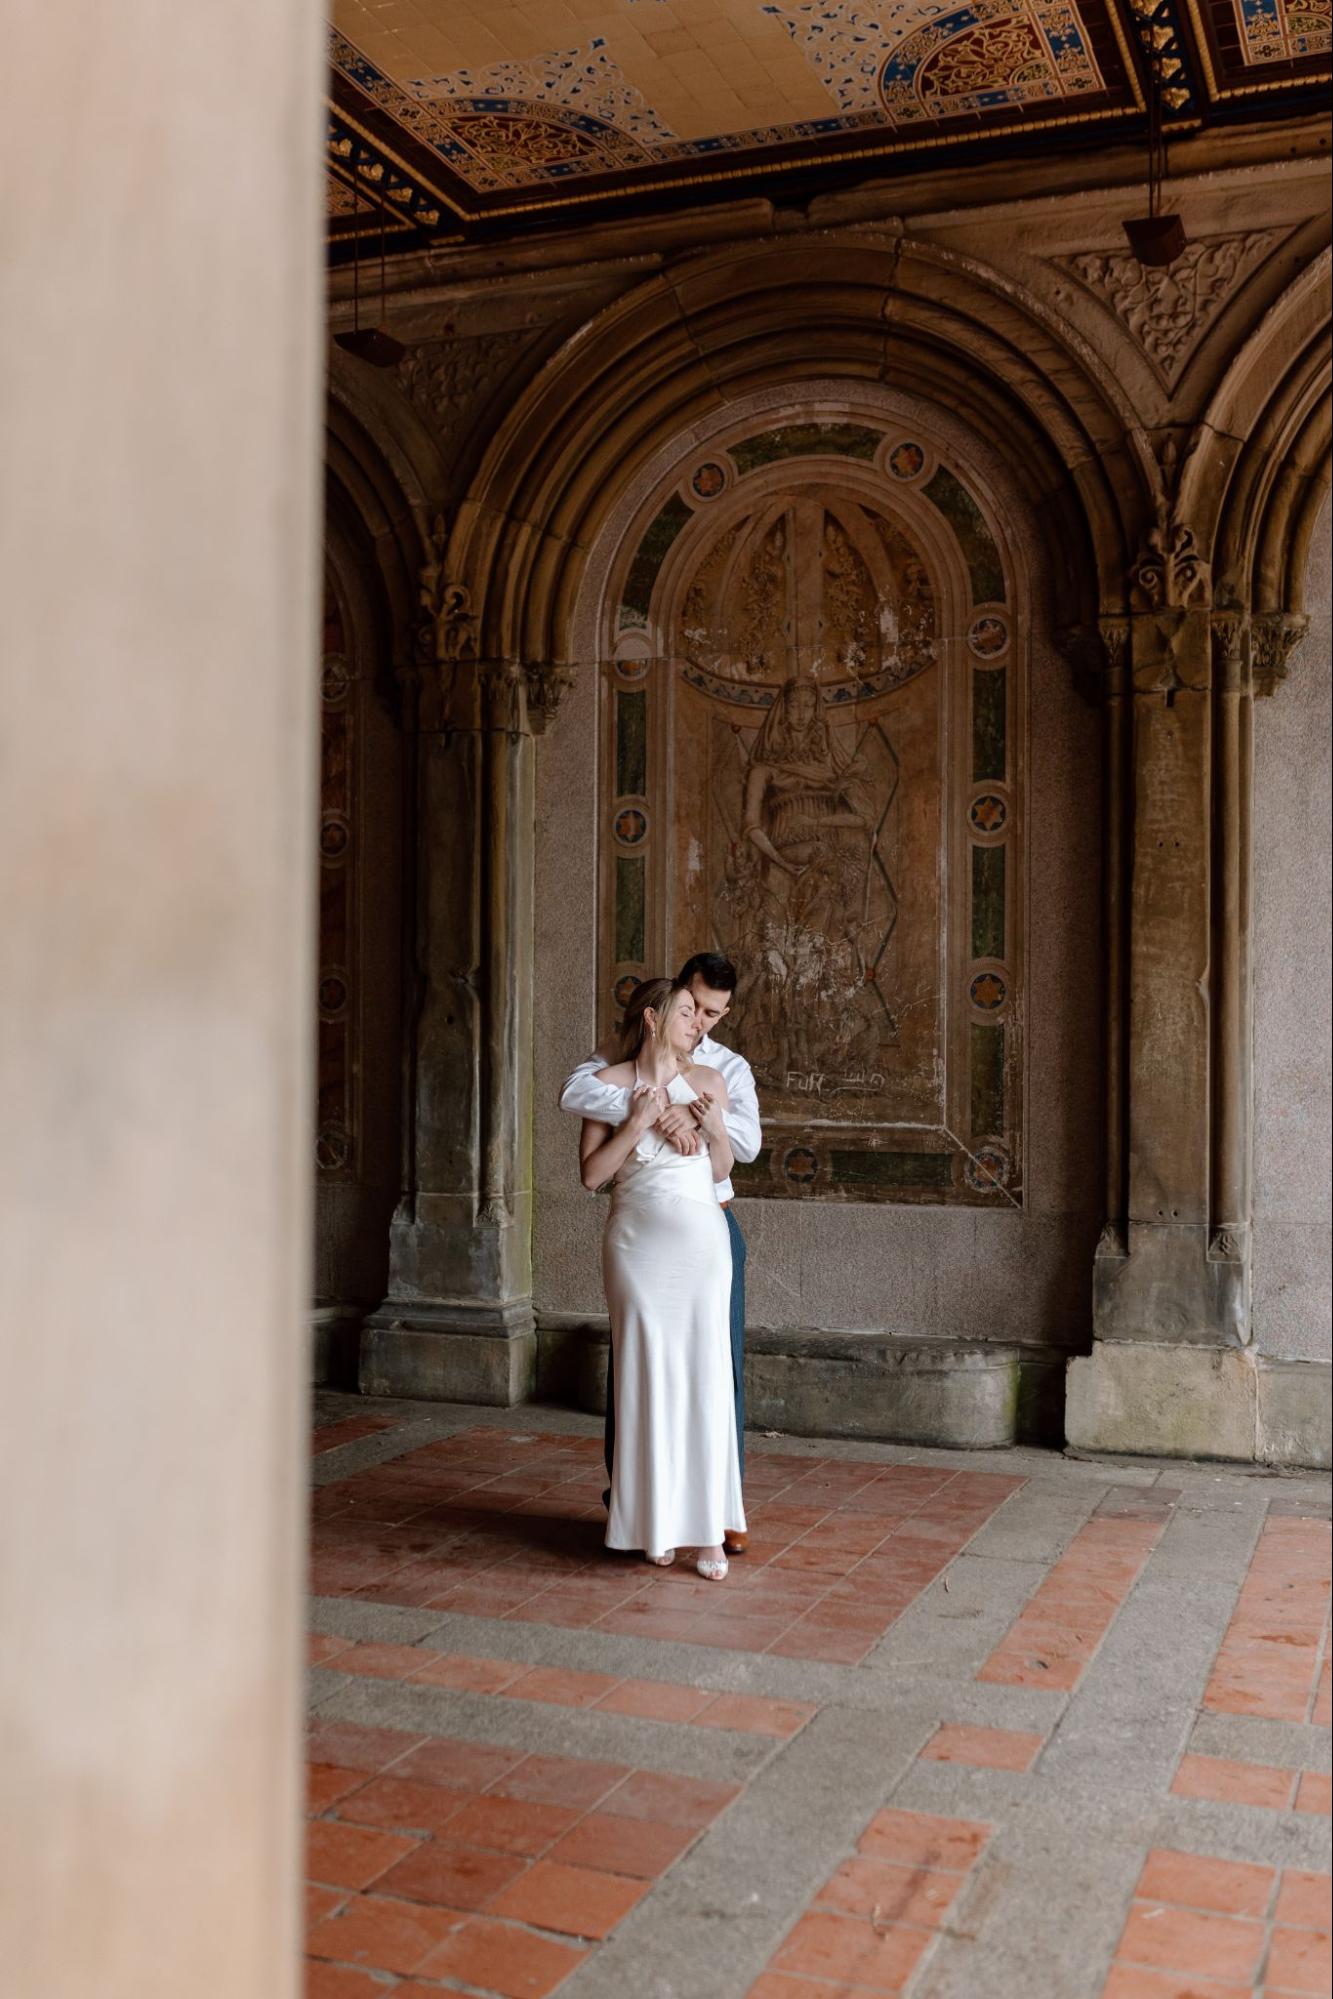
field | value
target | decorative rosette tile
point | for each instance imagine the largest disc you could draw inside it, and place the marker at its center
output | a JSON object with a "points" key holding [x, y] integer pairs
{"points": [[988, 637], [332, 994], [988, 1169], [334, 836], [708, 480], [624, 987], [988, 992], [631, 826], [907, 460], [988, 813], [800, 1166]]}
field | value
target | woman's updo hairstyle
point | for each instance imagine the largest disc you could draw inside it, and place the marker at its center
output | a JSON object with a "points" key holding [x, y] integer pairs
{"points": [[662, 995]]}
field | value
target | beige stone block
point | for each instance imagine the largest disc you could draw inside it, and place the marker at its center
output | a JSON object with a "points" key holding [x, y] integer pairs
{"points": [[1295, 1413], [1162, 1401]]}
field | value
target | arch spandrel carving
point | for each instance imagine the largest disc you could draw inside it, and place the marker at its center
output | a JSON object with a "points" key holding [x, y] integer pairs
{"points": [[814, 648]]}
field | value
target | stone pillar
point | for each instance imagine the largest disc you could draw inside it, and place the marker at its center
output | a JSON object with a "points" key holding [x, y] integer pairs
{"points": [[1170, 1370], [160, 378], [458, 1322]]}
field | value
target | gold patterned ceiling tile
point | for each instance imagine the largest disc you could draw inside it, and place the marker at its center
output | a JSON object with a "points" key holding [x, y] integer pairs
{"points": [[506, 108]]}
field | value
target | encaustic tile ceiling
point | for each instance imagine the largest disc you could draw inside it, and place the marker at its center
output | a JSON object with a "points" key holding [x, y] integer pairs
{"points": [[449, 117]]}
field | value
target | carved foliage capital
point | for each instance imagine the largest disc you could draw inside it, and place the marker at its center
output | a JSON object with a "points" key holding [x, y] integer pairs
{"points": [[1229, 1243], [1170, 573], [546, 685], [1097, 655], [1229, 631], [495, 695], [1273, 635]]}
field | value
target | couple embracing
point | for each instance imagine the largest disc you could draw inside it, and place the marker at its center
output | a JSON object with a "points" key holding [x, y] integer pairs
{"points": [[664, 1120]]}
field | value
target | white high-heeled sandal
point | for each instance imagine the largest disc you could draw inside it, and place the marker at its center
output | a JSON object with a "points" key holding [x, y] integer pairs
{"points": [[662, 1561], [713, 1568]]}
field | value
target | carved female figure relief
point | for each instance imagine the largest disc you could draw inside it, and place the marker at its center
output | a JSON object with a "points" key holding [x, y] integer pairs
{"points": [[808, 814], [800, 747]]}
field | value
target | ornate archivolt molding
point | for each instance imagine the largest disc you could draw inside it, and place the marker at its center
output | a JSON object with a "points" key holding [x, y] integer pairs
{"points": [[1168, 312]]}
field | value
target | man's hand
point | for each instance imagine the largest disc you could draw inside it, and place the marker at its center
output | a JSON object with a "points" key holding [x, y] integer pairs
{"points": [[678, 1128], [707, 1115]]}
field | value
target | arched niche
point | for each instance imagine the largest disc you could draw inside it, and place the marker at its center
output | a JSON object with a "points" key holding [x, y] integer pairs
{"points": [[358, 997], [813, 632]]}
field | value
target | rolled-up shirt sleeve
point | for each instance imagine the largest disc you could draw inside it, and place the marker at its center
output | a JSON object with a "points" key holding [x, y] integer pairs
{"points": [[741, 1116], [583, 1096]]}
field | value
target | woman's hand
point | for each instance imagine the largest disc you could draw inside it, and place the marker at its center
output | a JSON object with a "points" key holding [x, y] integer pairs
{"points": [[678, 1129], [644, 1108]]}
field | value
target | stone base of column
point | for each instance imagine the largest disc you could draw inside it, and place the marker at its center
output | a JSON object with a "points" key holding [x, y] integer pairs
{"points": [[335, 1345], [1177, 1401], [451, 1353], [1173, 1281]]}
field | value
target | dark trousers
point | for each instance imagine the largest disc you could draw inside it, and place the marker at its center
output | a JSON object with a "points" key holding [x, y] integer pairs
{"points": [[738, 1255]]}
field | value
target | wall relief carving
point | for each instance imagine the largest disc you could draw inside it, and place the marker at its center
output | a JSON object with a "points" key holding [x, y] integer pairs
{"points": [[1168, 311], [812, 760], [452, 381]]}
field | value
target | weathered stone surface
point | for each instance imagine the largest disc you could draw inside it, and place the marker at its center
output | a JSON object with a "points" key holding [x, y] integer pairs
{"points": [[1170, 1287], [1295, 1412], [452, 1354], [1162, 1401]]}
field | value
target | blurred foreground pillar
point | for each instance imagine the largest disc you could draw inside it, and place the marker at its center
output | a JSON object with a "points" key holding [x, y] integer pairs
{"points": [[160, 350]]}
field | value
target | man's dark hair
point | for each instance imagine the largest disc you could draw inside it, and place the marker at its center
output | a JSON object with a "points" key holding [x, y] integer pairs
{"points": [[710, 966]]}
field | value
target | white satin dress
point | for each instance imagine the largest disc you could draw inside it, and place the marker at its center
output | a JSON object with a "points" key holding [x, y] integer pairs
{"points": [[666, 1266]]}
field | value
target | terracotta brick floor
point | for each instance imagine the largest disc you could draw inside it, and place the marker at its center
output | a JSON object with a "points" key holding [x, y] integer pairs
{"points": [[997, 1726], [510, 1527]]}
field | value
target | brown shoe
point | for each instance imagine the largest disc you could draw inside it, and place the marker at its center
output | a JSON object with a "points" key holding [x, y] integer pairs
{"points": [[734, 1542]]}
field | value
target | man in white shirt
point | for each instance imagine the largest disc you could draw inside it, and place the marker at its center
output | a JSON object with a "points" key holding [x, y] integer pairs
{"points": [[711, 979]]}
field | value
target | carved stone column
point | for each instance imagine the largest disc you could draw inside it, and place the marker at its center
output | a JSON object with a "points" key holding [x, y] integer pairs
{"points": [[1171, 1287], [458, 1324]]}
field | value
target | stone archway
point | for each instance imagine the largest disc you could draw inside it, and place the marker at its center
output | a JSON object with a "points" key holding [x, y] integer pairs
{"points": [[1123, 529], [864, 866]]}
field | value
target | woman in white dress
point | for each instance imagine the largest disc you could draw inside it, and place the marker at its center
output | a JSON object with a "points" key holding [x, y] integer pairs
{"points": [[666, 1267]]}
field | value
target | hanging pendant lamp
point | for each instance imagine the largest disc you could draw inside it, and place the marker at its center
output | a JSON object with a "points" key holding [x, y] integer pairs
{"points": [[373, 344], [1156, 239]]}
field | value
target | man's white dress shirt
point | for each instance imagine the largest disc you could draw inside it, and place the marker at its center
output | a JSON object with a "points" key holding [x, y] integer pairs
{"points": [[584, 1096]]}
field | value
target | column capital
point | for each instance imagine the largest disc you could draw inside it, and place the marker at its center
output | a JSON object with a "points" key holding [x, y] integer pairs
{"points": [[1097, 654], [1169, 573], [1230, 633], [1273, 635]]}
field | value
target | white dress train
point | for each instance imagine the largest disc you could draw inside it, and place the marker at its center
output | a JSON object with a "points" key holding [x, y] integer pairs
{"points": [[666, 1266]]}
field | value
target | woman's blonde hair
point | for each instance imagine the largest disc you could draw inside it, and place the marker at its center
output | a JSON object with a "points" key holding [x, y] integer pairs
{"points": [[663, 996]]}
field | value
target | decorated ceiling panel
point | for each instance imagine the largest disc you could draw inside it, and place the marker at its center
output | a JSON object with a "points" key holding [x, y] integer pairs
{"points": [[448, 113]]}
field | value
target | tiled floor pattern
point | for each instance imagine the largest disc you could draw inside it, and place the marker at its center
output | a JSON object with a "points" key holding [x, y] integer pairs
{"points": [[498, 1525], [1065, 1621], [1274, 1659], [468, 1864], [347, 1430], [1225, 1781], [449, 1861], [648, 1700], [1203, 1928], [874, 1922]]}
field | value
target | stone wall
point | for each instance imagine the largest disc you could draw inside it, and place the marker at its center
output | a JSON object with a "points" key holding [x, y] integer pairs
{"points": [[1011, 1273], [1292, 1103]]}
